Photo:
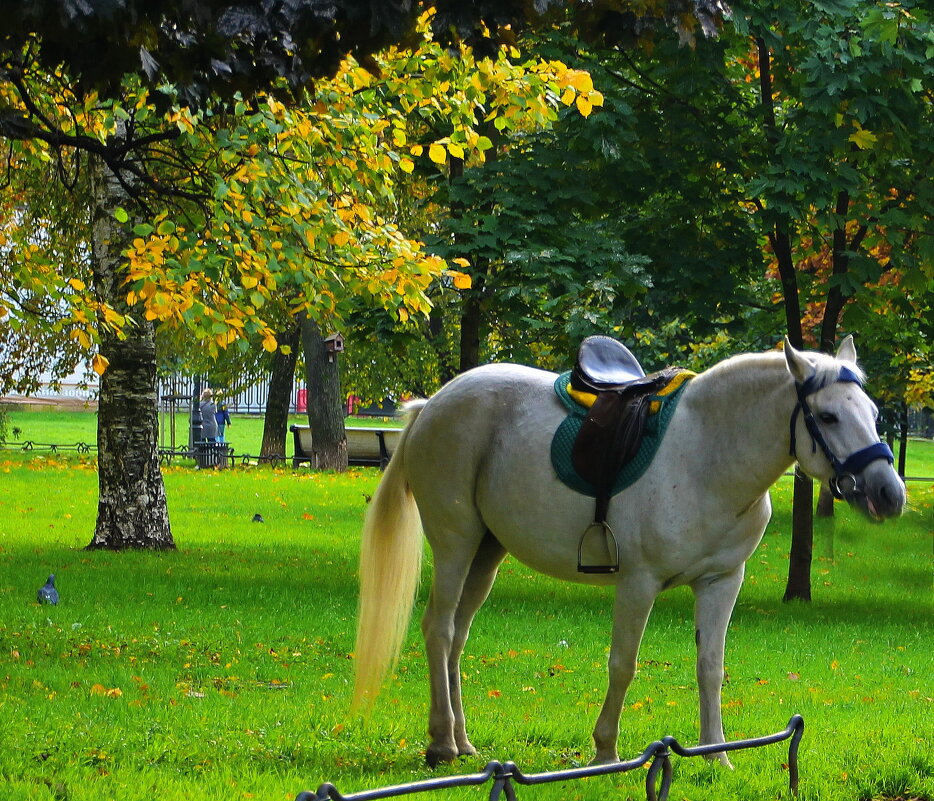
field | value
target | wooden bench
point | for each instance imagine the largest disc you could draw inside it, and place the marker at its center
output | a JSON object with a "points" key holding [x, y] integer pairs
{"points": [[366, 447]]}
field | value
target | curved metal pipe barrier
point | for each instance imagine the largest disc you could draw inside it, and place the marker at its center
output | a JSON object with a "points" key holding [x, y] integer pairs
{"points": [[503, 774]]}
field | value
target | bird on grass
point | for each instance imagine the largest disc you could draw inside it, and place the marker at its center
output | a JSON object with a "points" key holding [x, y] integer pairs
{"points": [[47, 593], [258, 518]]}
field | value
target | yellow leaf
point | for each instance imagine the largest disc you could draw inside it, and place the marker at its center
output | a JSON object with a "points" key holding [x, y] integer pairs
{"points": [[584, 106], [77, 284], [580, 80], [863, 139], [416, 150], [461, 261], [406, 164], [455, 150], [269, 343], [462, 280], [99, 363], [437, 154]]}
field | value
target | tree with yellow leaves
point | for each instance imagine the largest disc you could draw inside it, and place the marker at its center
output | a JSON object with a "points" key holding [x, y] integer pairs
{"points": [[227, 220]]}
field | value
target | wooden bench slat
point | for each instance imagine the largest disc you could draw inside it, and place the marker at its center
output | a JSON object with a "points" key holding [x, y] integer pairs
{"points": [[365, 446]]}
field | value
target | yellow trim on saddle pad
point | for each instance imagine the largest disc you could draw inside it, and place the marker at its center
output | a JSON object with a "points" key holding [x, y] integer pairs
{"points": [[587, 399]]}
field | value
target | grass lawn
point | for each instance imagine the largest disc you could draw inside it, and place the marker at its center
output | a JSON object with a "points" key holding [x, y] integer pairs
{"points": [[245, 433], [223, 670]]}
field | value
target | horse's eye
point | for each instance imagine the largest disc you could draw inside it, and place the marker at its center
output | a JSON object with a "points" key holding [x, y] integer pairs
{"points": [[827, 417]]}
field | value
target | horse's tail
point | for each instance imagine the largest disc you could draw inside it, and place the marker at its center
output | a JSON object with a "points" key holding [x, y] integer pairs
{"points": [[390, 565]]}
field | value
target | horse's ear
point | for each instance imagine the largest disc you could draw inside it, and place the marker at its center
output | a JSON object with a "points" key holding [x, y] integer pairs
{"points": [[798, 366], [847, 350]]}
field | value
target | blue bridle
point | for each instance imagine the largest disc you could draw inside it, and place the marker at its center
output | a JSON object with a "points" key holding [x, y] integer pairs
{"points": [[847, 470]]}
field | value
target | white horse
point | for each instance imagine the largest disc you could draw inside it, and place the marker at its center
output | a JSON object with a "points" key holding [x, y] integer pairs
{"points": [[473, 471]]}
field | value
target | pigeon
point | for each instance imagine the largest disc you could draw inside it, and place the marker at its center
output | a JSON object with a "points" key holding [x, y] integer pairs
{"points": [[47, 593], [258, 518]]}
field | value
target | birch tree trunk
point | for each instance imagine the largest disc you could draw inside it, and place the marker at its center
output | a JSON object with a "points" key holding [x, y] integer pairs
{"points": [[132, 511]]}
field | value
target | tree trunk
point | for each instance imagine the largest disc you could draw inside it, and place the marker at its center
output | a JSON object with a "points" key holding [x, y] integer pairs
{"points": [[798, 587], [276, 419], [472, 319], [132, 511], [902, 439], [825, 525], [825, 501], [325, 404], [802, 515]]}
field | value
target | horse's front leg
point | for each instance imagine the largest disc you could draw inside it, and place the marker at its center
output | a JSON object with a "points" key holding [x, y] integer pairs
{"points": [[714, 598], [634, 600]]}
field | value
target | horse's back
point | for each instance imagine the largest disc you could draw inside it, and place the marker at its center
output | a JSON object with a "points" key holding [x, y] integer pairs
{"points": [[478, 459], [460, 423]]}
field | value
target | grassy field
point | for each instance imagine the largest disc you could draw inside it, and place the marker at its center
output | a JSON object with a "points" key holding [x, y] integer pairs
{"points": [[222, 670], [245, 433]]}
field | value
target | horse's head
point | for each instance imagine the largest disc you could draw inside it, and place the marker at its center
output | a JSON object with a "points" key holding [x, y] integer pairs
{"points": [[839, 419]]}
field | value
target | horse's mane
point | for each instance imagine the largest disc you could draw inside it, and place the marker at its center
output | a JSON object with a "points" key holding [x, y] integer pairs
{"points": [[827, 368]]}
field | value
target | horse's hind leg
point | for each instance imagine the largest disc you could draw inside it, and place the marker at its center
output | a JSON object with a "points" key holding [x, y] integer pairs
{"points": [[476, 590], [462, 579]]}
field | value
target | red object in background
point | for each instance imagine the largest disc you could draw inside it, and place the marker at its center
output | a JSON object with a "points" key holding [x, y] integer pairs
{"points": [[301, 404], [353, 404]]}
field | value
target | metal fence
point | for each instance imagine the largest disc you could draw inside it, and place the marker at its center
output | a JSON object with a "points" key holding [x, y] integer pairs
{"points": [[176, 392], [657, 756]]}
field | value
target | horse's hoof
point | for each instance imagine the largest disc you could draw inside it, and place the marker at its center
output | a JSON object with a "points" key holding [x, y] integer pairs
{"points": [[604, 759], [436, 754], [722, 758], [466, 750]]}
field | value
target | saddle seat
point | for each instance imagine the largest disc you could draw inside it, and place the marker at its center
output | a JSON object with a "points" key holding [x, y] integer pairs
{"points": [[604, 363], [609, 380]]}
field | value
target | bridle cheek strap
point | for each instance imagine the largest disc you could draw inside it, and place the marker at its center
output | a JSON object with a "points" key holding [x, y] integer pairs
{"points": [[844, 472]]}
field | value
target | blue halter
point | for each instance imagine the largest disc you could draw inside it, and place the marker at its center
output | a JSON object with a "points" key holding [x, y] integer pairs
{"points": [[845, 472]]}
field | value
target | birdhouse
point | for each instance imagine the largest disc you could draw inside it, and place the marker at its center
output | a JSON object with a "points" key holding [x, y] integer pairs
{"points": [[333, 343]]}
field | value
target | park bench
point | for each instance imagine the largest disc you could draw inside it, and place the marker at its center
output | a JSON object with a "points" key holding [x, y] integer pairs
{"points": [[366, 447]]}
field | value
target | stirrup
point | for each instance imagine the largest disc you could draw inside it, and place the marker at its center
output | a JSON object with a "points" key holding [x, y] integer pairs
{"points": [[609, 537]]}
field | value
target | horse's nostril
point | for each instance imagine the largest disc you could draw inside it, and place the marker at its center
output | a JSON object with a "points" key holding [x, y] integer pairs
{"points": [[891, 496]]}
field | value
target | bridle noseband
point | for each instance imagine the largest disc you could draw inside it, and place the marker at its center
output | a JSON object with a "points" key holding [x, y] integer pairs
{"points": [[845, 483]]}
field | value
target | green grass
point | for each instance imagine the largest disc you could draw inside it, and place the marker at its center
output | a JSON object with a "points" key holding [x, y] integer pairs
{"points": [[223, 670], [69, 427]]}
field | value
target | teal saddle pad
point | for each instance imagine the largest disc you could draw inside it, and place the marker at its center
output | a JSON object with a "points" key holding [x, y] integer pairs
{"points": [[563, 441]]}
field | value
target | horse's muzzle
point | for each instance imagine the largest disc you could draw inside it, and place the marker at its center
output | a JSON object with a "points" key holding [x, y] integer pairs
{"points": [[878, 491]]}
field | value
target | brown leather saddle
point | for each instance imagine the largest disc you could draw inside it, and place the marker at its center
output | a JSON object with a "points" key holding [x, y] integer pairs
{"points": [[612, 430]]}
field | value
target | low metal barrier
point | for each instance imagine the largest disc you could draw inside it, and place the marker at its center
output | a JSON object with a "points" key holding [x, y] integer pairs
{"points": [[30, 445], [657, 756]]}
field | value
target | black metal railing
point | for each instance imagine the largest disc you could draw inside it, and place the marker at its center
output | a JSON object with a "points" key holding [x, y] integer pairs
{"points": [[657, 756]]}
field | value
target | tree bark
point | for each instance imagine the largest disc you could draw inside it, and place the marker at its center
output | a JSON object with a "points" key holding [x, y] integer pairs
{"points": [[825, 501], [798, 587], [472, 319], [902, 438], [276, 419], [132, 511], [325, 404]]}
